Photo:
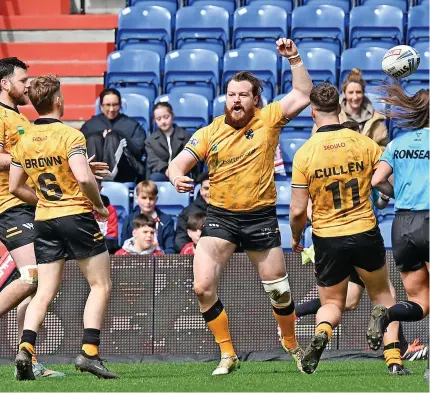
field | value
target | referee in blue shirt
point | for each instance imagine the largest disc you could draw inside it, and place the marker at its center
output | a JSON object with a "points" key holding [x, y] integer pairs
{"points": [[407, 157]]}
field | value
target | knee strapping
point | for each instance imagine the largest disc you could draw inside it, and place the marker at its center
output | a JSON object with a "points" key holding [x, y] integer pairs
{"points": [[29, 274], [279, 291]]}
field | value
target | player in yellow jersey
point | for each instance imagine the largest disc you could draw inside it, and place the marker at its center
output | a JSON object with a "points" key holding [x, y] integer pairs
{"points": [[53, 156], [334, 168], [239, 150], [16, 217]]}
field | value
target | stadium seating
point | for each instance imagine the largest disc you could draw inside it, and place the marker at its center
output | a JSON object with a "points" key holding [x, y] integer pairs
{"points": [[302, 123], [118, 195], [418, 25], [367, 59], [170, 5], [145, 27], [287, 5], [283, 192], [169, 200], [374, 99], [402, 4], [290, 142], [285, 229], [344, 4], [380, 26], [319, 26], [202, 27], [139, 108], [320, 63], [262, 63], [259, 26], [420, 78], [136, 69], [219, 104], [229, 5], [308, 237], [191, 110], [192, 71], [385, 228]]}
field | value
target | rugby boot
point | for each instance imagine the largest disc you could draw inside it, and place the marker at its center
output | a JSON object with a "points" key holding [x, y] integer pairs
{"points": [[398, 369], [24, 366], [313, 352], [377, 326], [227, 364], [94, 366], [296, 353]]}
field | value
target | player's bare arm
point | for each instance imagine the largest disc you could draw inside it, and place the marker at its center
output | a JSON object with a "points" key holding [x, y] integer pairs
{"points": [[380, 179], [17, 186], [298, 215], [298, 98], [179, 166], [87, 182]]}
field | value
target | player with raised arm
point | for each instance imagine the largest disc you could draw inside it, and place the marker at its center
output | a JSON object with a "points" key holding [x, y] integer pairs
{"points": [[334, 168], [239, 149], [53, 156], [407, 158]]}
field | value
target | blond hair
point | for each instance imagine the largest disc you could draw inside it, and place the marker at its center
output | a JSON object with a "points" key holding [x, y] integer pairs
{"points": [[147, 187], [355, 76], [42, 93]]}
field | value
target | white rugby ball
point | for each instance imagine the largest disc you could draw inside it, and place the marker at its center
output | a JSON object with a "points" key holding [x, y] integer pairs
{"points": [[401, 61]]}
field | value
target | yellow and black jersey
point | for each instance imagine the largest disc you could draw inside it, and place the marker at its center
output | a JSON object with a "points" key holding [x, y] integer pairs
{"points": [[12, 124], [43, 152], [337, 164], [241, 162]]}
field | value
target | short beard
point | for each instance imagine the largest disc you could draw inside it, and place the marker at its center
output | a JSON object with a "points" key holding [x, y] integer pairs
{"points": [[18, 99], [239, 123]]}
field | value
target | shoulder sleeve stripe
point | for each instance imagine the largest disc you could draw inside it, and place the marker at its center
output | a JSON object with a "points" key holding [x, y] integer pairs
{"points": [[192, 152], [17, 164], [83, 152], [1, 145], [299, 185]]}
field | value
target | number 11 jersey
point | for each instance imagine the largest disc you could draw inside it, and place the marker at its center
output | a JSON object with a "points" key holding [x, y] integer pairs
{"points": [[43, 152], [336, 165]]}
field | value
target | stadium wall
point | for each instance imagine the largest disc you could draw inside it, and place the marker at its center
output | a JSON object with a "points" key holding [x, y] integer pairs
{"points": [[153, 310]]}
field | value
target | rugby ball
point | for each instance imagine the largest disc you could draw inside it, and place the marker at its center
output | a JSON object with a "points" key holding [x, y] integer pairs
{"points": [[401, 61]]}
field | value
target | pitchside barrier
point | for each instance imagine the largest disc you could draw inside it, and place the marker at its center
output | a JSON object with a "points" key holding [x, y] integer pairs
{"points": [[153, 310]]}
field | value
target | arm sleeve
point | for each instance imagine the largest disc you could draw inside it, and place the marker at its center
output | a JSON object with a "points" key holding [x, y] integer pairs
{"points": [[76, 144], [198, 145], [388, 155], [299, 178], [273, 115]]}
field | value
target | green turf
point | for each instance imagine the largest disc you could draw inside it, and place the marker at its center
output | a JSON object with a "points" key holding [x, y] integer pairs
{"points": [[252, 376]]}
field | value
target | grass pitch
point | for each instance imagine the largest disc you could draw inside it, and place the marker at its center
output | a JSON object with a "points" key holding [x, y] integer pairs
{"points": [[346, 376]]}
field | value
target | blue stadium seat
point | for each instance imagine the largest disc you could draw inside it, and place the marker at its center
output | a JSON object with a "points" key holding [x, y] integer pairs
{"points": [[395, 130], [287, 5], [308, 237], [290, 142], [380, 26], [192, 71], [169, 5], [420, 78], [374, 99], [191, 110], [346, 5], [402, 4], [285, 229], [421, 46], [169, 200], [320, 63], [385, 228], [259, 26], [139, 108], [319, 26], [219, 104], [229, 5], [138, 69], [118, 194], [261, 62], [418, 25], [283, 191], [202, 27], [302, 123], [145, 27], [369, 61]]}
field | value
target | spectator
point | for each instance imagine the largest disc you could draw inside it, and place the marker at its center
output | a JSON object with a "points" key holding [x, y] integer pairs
{"points": [[116, 139], [199, 205], [146, 198], [142, 242], [357, 107], [165, 143], [194, 230]]}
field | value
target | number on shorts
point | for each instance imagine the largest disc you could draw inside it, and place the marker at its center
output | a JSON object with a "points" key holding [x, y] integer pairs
{"points": [[335, 189], [55, 191]]}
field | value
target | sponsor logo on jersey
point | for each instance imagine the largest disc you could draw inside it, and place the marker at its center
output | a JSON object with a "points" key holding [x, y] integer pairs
{"points": [[20, 130], [39, 138], [335, 146], [249, 134], [193, 142]]}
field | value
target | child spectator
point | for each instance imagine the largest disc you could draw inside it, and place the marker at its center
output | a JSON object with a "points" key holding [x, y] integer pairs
{"points": [[194, 230], [146, 198], [142, 242]]}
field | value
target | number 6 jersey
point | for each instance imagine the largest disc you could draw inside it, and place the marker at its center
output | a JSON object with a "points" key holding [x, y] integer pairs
{"points": [[337, 165], [43, 152]]}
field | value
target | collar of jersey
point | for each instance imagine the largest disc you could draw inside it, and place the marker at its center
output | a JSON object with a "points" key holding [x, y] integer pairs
{"points": [[9, 107], [46, 120], [330, 127]]}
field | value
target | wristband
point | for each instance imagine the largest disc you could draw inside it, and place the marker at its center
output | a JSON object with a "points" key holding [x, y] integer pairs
{"points": [[174, 180], [293, 57]]}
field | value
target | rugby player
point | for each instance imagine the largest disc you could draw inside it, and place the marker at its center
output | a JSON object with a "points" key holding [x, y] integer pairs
{"points": [[334, 168], [407, 157], [53, 155], [239, 149]]}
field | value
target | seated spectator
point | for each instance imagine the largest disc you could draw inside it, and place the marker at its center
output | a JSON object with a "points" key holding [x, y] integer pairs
{"points": [[116, 139], [357, 107], [146, 198], [165, 143], [142, 242], [200, 205], [194, 230]]}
